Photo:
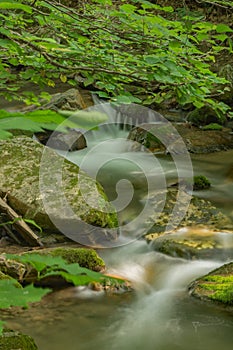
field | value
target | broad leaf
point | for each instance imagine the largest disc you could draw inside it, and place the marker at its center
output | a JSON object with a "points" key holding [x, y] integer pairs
{"points": [[12, 296]]}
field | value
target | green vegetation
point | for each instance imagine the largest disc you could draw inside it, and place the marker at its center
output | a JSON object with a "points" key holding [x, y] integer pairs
{"points": [[84, 257], [41, 120], [220, 287], [132, 53], [11, 340], [45, 266], [200, 182], [212, 126]]}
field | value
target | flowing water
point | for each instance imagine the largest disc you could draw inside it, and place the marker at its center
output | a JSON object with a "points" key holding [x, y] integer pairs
{"points": [[160, 314]]}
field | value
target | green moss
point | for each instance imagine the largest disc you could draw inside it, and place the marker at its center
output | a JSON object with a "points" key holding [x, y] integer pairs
{"points": [[11, 340], [216, 286], [212, 126], [204, 116], [3, 276], [200, 182], [84, 257], [220, 287]]}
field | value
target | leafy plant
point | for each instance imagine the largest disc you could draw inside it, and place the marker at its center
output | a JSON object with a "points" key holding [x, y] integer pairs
{"points": [[28, 221], [12, 295], [39, 120], [200, 182], [47, 265], [133, 53]]}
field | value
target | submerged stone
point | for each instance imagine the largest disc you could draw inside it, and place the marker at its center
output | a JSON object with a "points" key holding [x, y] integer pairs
{"points": [[217, 286], [195, 243], [55, 193], [11, 340]]}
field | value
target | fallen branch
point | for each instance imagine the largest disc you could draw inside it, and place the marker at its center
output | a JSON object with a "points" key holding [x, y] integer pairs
{"points": [[20, 225]]}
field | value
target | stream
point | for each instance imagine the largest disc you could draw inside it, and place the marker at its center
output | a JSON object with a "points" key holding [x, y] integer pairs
{"points": [[159, 314]]}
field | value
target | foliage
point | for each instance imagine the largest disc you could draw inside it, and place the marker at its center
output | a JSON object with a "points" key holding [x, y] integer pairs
{"points": [[212, 126], [28, 221], [40, 120], [130, 51], [200, 182], [11, 295], [47, 265]]}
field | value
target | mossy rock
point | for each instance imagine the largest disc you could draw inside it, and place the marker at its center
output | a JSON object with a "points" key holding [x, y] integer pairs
{"points": [[212, 126], [204, 116], [84, 257], [194, 243], [11, 340], [217, 286], [78, 208], [199, 213], [200, 182], [12, 268], [26, 273], [3, 276]]}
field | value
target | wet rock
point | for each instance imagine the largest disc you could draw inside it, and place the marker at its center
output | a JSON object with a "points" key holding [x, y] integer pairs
{"points": [[195, 243], [200, 182], [12, 268], [134, 114], [11, 340], [191, 139], [83, 257], [215, 287], [146, 135], [190, 211], [73, 140], [71, 100], [205, 116], [29, 173]]}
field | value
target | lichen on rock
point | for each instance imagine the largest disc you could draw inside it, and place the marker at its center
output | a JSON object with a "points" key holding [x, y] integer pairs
{"points": [[22, 171], [11, 340]]}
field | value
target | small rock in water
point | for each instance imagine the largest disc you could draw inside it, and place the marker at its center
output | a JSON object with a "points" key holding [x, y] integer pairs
{"points": [[86, 292]]}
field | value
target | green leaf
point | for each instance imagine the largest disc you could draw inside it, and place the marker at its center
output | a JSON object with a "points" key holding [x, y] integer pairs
{"points": [[15, 6], [223, 28], [10, 295], [4, 135], [151, 59], [19, 123], [85, 119], [221, 37], [122, 99], [33, 223], [1, 326], [127, 8]]}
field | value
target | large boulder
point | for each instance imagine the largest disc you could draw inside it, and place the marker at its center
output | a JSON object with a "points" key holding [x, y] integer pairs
{"points": [[217, 287], [58, 202], [190, 211], [194, 140]]}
